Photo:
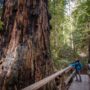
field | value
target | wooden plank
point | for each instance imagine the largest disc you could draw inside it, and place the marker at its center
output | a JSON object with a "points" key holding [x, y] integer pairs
{"points": [[43, 82], [84, 85]]}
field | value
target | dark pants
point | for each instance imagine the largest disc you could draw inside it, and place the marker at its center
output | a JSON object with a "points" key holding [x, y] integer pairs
{"points": [[78, 76]]}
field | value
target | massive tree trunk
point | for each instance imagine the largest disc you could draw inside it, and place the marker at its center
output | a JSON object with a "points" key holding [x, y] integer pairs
{"points": [[24, 43]]}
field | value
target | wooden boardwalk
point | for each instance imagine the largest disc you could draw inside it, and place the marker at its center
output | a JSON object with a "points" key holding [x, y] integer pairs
{"points": [[75, 85], [84, 85]]}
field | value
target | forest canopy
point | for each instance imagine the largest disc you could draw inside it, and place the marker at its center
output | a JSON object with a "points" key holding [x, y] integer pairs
{"points": [[70, 30]]}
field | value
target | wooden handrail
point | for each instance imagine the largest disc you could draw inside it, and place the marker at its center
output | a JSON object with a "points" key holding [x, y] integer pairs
{"points": [[46, 80]]}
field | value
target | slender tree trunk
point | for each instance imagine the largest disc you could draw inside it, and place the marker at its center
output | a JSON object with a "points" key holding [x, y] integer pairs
{"points": [[88, 28], [89, 51], [26, 44]]}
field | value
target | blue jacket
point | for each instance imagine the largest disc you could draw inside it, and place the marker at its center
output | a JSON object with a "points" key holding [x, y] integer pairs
{"points": [[77, 65]]}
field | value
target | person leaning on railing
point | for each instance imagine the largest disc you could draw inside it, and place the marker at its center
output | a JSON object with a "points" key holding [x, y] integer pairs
{"points": [[78, 67]]}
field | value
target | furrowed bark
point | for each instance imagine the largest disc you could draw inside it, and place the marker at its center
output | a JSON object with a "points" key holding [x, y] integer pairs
{"points": [[26, 38]]}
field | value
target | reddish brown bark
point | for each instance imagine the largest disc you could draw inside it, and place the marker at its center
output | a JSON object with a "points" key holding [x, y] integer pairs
{"points": [[26, 37]]}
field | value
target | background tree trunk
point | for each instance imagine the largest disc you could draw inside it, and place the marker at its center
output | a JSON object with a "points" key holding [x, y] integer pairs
{"points": [[89, 51], [25, 44]]}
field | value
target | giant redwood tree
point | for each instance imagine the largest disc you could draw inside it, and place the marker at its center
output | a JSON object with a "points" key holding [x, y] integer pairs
{"points": [[25, 50]]}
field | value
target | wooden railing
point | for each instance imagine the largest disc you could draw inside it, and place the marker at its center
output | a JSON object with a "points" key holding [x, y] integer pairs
{"points": [[62, 81]]}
